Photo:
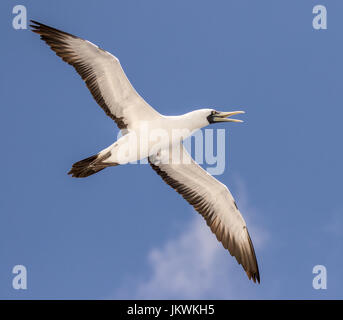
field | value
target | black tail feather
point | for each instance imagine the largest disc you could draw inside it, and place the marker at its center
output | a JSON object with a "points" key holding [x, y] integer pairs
{"points": [[89, 166]]}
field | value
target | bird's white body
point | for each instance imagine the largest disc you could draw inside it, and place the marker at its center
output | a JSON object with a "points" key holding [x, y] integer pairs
{"points": [[148, 134], [144, 137]]}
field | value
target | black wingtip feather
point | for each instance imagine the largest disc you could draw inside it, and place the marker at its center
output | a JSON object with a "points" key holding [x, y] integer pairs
{"points": [[41, 28]]}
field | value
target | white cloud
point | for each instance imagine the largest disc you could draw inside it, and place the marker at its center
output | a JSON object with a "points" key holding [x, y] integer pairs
{"points": [[185, 267], [194, 265], [251, 215]]}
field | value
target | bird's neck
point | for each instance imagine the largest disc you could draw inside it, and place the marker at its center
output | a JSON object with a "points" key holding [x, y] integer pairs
{"points": [[187, 121]]}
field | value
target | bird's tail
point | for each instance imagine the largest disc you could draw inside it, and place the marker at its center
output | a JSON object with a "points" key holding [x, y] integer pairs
{"points": [[91, 165]]}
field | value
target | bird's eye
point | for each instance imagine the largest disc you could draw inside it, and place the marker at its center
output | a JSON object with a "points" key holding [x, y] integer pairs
{"points": [[213, 112]]}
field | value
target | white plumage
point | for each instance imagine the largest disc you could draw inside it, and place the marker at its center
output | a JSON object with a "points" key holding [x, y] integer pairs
{"points": [[110, 87]]}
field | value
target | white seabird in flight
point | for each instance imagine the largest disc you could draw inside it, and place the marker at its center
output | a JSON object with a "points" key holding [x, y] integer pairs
{"points": [[111, 89]]}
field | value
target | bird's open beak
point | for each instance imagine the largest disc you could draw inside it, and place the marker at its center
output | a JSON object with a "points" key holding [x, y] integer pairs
{"points": [[225, 116]]}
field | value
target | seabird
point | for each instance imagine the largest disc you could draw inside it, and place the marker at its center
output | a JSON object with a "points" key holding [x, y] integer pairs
{"points": [[107, 82]]}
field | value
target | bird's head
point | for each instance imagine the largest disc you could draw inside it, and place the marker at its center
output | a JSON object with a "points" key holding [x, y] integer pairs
{"points": [[203, 117], [214, 116]]}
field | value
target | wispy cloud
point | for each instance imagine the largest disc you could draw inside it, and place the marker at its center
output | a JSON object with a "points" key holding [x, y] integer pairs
{"points": [[193, 265], [251, 214], [185, 267]]}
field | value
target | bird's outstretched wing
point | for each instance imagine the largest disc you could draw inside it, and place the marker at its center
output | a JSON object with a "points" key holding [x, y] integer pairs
{"points": [[102, 74], [213, 201]]}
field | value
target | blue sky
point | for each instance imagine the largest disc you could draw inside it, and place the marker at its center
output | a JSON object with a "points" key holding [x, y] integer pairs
{"points": [[123, 233]]}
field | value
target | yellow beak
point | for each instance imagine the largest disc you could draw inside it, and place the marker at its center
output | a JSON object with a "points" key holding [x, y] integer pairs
{"points": [[224, 116]]}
